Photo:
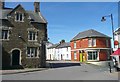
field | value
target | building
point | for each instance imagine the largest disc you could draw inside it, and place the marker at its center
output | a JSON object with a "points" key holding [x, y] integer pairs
{"points": [[117, 39], [52, 52], [23, 35], [48, 44], [116, 54], [60, 51], [90, 45]]}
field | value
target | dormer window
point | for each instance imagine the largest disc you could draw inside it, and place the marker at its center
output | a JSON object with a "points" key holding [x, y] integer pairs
{"points": [[19, 17]]}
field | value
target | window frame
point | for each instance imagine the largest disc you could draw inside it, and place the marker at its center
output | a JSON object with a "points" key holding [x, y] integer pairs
{"points": [[33, 52], [19, 17], [34, 35], [3, 35]]}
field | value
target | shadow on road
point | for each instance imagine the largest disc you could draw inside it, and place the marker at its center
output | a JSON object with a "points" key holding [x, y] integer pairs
{"points": [[58, 65]]}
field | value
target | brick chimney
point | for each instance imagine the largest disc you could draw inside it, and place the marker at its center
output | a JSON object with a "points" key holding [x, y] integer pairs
{"points": [[36, 7], [2, 4], [62, 41]]}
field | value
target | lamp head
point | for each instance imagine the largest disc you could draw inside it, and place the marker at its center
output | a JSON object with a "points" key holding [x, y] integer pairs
{"points": [[103, 19]]}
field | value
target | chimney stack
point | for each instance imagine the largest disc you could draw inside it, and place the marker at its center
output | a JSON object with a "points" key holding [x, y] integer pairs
{"points": [[36, 7], [2, 4]]}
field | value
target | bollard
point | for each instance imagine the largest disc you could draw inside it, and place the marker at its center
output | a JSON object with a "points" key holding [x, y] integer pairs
{"points": [[109, 67]]}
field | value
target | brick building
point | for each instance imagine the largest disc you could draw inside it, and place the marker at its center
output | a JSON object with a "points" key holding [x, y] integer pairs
{"points": [[23, 34], [90, 45]]}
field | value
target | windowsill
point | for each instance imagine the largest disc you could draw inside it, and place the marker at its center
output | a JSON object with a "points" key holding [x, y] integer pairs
{"points": [[32, 57], [4, 39], [32, 40], [92, 60], [18, 21]]}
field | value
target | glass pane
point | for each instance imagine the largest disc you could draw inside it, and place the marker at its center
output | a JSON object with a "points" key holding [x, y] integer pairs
{"points": [[20, 17], [17, 16], [89, 55], [28, 52], [35, 52], [6, 34], [33, 36]]}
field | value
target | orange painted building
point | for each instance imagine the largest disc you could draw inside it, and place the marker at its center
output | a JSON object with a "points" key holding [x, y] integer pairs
{"points": [[90, 45]]}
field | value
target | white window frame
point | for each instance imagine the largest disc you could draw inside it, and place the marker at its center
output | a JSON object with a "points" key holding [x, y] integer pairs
{"points": [[75, 44], [32, 36], [75, 55], [3, 36], [107, 43], [34, 52], [19, 17], [91, 42]]}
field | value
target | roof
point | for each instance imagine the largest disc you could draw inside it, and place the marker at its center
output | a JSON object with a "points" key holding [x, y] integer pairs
{"points": [[5, 23], [54, 46], [89, 33], [117, 52], [62, 45], [37, 17], [118, 29]]}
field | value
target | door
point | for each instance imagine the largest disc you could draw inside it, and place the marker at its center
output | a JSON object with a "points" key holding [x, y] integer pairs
{"points": [[81, 57], [15, 57]]}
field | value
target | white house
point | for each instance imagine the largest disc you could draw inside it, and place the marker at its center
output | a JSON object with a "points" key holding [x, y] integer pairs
{"points": [[63, 51], [51, 52], [59, 51], [48, 44]]}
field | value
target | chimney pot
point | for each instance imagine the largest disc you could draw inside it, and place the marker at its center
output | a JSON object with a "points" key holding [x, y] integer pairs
{"points": [[36, 7]]}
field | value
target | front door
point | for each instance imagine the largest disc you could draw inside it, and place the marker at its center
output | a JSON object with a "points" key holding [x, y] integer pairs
{"points": [[81, 57], [15, 57]]}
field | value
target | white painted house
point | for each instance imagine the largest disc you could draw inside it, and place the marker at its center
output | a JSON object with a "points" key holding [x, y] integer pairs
{"points": [[59, 51], [48, 44], [51, 52], [63, 51]]}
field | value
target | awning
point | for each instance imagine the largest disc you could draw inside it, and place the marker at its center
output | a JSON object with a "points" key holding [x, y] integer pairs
{"points": [[117, 52]]}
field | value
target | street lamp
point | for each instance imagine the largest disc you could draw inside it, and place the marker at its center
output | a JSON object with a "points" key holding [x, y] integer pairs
{"points": [[111, 16]]}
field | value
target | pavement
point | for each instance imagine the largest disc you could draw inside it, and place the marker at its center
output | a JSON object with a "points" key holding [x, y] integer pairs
{"points": [[15, 71]]}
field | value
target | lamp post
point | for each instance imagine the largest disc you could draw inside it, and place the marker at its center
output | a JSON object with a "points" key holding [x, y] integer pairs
{"points": [[111, 16]]}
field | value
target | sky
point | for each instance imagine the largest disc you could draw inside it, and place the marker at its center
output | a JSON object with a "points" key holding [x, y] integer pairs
{"points": [[67, 19]]}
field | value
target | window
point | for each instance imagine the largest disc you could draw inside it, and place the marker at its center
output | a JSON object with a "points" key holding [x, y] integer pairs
{"points": [[75, 55], [107, 43], [67, 55], [92, 55], [19, 17], [91, 42], [31, 52], [32, 36], [5, 34], [74, 44]]}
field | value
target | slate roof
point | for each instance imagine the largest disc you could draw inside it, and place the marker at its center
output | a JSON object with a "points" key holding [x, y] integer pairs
{"points": [[118, 30], [54, 46], [62, 45], [89, 33], [37, 17]]}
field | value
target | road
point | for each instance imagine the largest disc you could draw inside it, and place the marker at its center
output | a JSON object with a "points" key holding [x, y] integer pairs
{"points": [[76, 72]]}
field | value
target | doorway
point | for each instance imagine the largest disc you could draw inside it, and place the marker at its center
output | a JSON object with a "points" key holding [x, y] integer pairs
{"points": [[15, 57]]}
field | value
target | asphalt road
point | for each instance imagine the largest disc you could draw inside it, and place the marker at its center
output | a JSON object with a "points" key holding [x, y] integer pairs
{"points": [[63, 72]]}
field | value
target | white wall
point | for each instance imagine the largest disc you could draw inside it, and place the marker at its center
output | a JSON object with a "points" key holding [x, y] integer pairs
{"points": [[63, 53]]}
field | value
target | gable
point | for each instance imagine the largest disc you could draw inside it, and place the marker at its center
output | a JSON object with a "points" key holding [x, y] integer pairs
{"points": [[18, 8]]}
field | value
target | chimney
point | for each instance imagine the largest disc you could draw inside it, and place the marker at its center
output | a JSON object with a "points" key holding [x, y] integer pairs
{"points": [[62, 41], [2, 4], [36, 7]]}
